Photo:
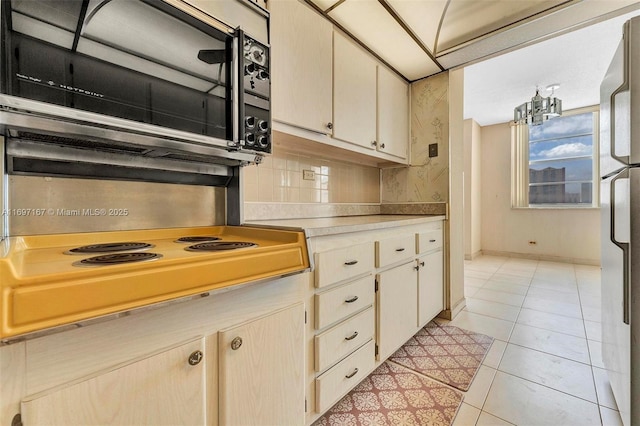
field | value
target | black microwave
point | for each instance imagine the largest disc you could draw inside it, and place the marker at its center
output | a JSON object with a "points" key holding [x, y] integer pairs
{"points": [[159, 68]]}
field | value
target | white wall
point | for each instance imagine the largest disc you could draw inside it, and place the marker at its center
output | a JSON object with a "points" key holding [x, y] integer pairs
{"points": [[472, 189], [560, 234]]}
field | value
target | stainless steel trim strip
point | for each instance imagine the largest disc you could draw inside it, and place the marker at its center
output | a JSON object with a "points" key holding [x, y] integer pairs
{"points": [[35, 150], [124, 134]]}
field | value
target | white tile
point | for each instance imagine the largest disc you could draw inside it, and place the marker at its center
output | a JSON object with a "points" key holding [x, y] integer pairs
{"points": [[469, 291], [554, 285], [610, 417], [500, 297], [467, 415], [474, 282], [492, 309], [594, 330], [487, 419], [555, 295], [553, 322], [494, 355], [603, 388], [592, 313], [563, 345], [590, 299], [505, 287], [494, 327], [479, 388], [511, 279], [595, 350], [555, 275], [472, 273], [555, 372], [523, 402], [553, 307]]}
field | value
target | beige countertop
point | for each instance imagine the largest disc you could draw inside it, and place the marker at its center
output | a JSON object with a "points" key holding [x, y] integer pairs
{"points": [[317, 227]]}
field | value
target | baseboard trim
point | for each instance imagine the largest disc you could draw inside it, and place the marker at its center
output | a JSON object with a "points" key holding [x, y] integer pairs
{"points": [[543, 257], [450, 314], [473, 255]]}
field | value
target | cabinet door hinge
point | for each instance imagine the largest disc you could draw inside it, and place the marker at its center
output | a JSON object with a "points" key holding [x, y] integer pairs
{"points": [[305, 405], [376, 285], [305, 316], [376, 353]]}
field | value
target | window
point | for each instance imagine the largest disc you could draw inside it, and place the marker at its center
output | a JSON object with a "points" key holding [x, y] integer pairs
{"points": [[555, 163]]}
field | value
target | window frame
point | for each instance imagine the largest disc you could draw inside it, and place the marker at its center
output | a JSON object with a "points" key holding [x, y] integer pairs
{"points": [[520, 165]]}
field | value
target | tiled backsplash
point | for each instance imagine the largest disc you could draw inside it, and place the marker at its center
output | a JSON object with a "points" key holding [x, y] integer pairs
{"points": [[279, 179]]}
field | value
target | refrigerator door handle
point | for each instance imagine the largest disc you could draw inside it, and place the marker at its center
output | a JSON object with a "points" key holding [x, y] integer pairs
{"points": [[624, 174], [612, 102]]}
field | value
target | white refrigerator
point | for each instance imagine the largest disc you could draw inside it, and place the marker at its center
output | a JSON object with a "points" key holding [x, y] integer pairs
{"points": [[620, 212]]}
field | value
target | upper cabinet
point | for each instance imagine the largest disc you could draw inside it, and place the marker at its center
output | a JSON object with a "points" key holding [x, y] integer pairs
{"points": [[354, 93], [393, 114], [324, 82], [301, 75]]}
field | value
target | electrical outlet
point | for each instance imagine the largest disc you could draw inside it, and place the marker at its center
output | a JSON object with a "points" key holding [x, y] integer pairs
{"points": [[433, 150], [308, 175]]}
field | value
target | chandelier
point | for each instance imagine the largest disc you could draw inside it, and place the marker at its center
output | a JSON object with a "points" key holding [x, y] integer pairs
{"points": [[539, 109]]}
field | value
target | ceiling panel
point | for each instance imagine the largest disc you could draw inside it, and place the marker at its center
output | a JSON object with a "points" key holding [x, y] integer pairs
{"points": [[369, 22], [466, 20], [423, 17], [324, 4]]}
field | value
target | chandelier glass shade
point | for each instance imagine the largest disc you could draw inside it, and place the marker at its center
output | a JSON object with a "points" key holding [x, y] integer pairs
{"points": [[538, 110]]}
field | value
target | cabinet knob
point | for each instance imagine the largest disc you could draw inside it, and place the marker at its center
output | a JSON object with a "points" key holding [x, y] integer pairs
{"points": [[236, 343], [195, 358], [421, 263], [329, 125], [417, 268], [355, 371], [382, 146], [374, 143]]}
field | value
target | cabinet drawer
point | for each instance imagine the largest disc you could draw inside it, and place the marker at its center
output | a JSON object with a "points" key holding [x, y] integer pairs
{"points": [[394, 250], [343, 263], [342, 339], [429, 240], [339, 303], [337, 381]]}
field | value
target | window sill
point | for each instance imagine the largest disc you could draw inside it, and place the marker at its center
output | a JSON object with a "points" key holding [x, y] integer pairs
{"points": [[550, 207]]}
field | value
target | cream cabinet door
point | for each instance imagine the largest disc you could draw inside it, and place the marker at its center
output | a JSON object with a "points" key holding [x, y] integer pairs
{"points": [[354, 93], [301, 66], [167, 388], [393, 114], [430, 287], [261, 367], [397, 308]]}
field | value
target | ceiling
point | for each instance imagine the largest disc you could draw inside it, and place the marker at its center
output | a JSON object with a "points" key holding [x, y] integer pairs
{"points": [[508, 47]]}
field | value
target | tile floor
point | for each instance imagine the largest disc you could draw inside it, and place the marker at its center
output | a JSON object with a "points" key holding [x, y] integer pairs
{"points": [[544, 368]]}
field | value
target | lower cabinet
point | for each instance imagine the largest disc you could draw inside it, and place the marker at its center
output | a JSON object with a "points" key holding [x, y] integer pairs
{"points": [[396, 299], [261, 366], [430, 287], [167, 388]]}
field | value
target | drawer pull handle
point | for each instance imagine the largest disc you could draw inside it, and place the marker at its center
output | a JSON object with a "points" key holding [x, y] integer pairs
{"points": [[353, 299], [421, 263], [400, 249], [355, 371], [353, 336], [351, 262], [432, 241]]}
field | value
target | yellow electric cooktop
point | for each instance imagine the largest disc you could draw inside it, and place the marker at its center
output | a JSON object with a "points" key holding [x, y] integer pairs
{"points": [[48, 280]]}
